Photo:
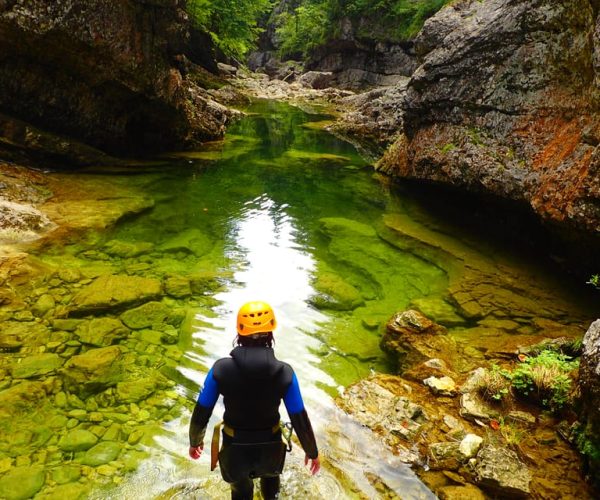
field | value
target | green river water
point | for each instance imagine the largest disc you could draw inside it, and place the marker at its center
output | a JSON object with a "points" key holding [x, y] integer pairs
{"points": [[284, 212]]}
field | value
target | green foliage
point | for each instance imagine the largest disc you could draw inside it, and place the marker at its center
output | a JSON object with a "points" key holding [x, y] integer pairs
{"points": [[446, 148], [594, 281], [304, 29], [313, 22], [232, 24], [545, 377]]}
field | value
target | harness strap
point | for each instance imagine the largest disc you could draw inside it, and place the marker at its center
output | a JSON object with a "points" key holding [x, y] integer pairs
{"points": [[214, 446], [231, 432]]}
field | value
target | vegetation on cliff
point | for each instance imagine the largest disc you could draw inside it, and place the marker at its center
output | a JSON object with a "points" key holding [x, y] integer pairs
{"points": [[232, 24], [307, 24]]}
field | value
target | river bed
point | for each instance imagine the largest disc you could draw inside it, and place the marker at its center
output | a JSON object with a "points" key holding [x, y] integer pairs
{"points": [[280, 211]]}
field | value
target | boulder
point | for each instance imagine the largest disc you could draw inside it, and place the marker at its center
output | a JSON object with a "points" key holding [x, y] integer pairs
{"points": [[132, 391], [474, 408], [111, 292], [178, 286], [469, 446], [101, 332], [146, 315], [77, 440], [102, 453], [36, 366], [411, 338], [43, 305], [21, 483], [335, 293], [316, 79], [443, 386], [93, 371], [66, 474], [500, 471], [21, 398], [445, 456]]}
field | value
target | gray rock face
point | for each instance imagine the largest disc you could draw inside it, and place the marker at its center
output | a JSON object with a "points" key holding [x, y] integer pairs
{"points": [[114, 68], [505, 101]]}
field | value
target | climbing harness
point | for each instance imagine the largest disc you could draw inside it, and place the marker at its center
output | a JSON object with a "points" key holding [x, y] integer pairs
{"points": [[286, 433]]}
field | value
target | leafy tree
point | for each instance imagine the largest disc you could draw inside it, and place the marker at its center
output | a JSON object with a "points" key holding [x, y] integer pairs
{"points": [[232, 24], [313, 22]]}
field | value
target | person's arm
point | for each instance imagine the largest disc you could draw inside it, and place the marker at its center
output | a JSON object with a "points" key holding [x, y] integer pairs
{"points": [[301, 423], [201, 414]]}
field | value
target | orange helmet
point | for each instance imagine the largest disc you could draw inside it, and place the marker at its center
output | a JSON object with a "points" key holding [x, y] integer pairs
{"points": [[255, 317]]}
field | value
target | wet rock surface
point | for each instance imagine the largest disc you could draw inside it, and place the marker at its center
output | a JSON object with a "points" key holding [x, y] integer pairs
{"points": [[100, 59], [516, 119]]}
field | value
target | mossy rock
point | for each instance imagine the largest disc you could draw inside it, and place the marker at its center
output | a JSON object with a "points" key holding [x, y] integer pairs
{"points": [[335, 293], [66, 474], [93, 371], [22, 482], [126, 250], [132, 391], [71, 491], [192, 241], [178, 286], [102, 453], [111, 292], [146, 315], [77, 440], [36, 366], [21, 398], [101, 331], [438, 310]]}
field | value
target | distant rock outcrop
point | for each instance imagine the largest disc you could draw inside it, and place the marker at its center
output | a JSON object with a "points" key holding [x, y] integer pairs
{"points": [[504, 102], [109, 75]]}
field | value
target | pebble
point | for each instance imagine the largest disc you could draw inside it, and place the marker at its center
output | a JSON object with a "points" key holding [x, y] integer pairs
{"points": [[72, 423]]}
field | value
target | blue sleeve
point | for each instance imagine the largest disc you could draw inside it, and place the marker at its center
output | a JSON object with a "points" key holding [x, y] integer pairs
{"points": [[210, 392], [293, 398]]}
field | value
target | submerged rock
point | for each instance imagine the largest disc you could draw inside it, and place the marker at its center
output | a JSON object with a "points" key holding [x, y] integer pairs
{"points": [[114, 292], [20, 398], [93, 371], [146, 315], [36, 366], [102, 453], [21, 483], [77, 440], [101, 331]]}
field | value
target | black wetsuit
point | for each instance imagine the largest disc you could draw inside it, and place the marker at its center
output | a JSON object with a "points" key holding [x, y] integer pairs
{"points": [[253, 382]]}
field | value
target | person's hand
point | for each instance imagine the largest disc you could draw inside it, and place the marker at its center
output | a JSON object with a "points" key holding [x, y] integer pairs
{"points": [[315, 465], [196, 451]]}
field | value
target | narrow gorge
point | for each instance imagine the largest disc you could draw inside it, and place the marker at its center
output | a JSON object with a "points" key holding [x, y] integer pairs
{"points": [[414, 185]]}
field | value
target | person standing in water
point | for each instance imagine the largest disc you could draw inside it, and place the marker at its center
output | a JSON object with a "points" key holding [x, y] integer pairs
{"points": [[253, 382]]}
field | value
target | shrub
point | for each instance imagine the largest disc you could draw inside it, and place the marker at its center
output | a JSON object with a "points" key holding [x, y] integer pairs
{"points": [[545, 378], [495, 385]]}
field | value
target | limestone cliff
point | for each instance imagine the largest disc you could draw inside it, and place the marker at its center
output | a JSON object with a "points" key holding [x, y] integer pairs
{"points": [[109, 74], [504, 102]]}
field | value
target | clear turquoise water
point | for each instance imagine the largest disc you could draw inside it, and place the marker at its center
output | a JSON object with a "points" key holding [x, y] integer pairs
{"points": [[284, 212]]}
